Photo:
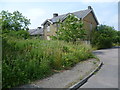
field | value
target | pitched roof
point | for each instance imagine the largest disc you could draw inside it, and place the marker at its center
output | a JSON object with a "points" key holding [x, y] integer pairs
{"points": [[36, 31], [79, 14]]}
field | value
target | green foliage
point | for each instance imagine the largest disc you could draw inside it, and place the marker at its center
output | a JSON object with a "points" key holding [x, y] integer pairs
{"points": [[21, 34], [103, 37], [14, 21], [116, 38], [31, 59], [71, 29]]}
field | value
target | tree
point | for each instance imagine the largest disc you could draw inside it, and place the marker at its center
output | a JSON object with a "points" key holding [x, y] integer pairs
{"points": [[116, 38], [14, 21], [71, 29], [103, 36]]}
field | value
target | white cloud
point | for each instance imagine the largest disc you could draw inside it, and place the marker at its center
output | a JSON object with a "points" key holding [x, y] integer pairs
{"points": [[110, 21], [114, 21], [35, 15]]}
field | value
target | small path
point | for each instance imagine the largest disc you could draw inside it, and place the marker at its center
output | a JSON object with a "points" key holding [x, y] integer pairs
{"points": [[107, 77], [66, 78]]}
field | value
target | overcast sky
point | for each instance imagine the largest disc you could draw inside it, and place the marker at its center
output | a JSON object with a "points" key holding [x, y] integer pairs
{"points": [[38, 11]]}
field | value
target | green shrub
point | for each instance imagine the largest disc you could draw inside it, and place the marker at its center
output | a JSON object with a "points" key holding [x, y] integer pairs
{"points": [[103, 37], [116, 38], [25, 60], [22, 34], [70, 30]]}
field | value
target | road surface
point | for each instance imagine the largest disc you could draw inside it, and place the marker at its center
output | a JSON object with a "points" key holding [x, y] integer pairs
{"points": [[107, 76]]}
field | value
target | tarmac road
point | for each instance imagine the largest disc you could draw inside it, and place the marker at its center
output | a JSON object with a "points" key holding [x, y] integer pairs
{"points": [[107, 76]]}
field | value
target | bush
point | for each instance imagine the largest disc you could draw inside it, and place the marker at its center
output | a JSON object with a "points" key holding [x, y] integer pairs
{"points": [[13, 21], [103, 37], [116, 38], [70, 30], [22, 34], [31, 59]]}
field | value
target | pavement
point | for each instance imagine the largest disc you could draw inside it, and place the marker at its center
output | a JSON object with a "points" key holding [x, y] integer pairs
{"points": [[107, 77], [66, 78]]}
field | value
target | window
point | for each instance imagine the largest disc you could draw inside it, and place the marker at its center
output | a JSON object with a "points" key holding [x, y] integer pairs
{"points": [[48, 28], [90, 26]]}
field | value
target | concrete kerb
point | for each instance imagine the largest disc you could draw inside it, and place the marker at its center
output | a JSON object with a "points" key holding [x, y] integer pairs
{"points": [[79, 84]]}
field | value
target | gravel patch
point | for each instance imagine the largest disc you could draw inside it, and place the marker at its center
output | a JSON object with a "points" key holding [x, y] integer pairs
{"points": [[66, 78]]}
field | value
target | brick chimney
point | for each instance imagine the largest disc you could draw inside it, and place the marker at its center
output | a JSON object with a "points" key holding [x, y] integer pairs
{"points": [[39, 27], [55, 14], [89, 7]]}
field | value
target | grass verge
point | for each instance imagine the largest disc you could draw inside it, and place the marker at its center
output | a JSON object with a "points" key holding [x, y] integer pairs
{"points": [[32, 59]]}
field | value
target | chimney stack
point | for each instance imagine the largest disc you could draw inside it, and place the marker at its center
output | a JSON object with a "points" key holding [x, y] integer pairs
{"points": [[89, 7], [39, 27], [55, 14]]}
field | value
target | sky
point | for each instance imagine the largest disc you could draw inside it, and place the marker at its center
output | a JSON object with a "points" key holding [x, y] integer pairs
{"points": [[38, 11], [119, 15]]}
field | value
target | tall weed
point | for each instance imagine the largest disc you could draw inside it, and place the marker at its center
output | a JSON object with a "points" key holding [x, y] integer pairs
{"points": [[31, 59]]}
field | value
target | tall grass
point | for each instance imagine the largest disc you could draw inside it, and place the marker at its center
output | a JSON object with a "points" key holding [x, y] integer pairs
{"points": [[31, 59]]}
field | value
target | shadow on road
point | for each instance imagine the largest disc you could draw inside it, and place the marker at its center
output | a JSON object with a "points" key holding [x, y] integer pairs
{"points": [[98, 52]]}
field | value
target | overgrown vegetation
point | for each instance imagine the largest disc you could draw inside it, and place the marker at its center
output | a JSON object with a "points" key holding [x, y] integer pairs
{"points": [[104, 37], [14, 21], [20, 34], [25, 60], [116, 38], [70, 30]]}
